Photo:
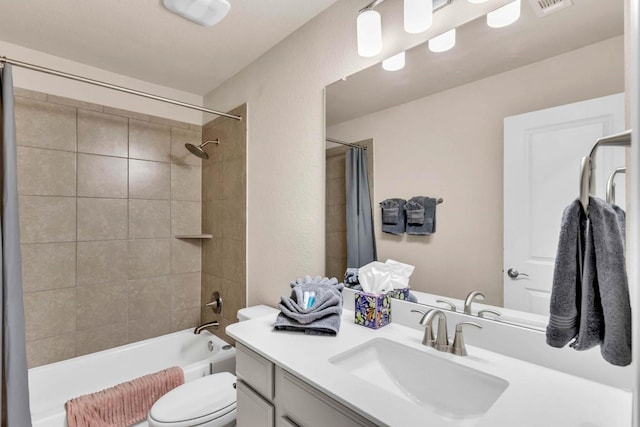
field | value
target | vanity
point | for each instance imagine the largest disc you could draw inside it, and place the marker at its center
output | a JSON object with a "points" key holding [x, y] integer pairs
{"points": [[386, 377]]}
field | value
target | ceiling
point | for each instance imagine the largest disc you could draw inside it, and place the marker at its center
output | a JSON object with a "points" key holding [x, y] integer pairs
{"points": [[480, 52], [142, 39]]}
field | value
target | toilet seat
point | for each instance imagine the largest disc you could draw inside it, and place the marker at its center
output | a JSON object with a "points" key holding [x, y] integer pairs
{"points": [[197, 402]]}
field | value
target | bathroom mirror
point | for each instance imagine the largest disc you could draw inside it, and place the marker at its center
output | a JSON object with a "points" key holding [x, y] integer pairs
{"points": [[438, 129]]}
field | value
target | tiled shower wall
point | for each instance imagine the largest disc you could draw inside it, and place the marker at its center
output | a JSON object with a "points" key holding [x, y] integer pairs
{"points": [[102, 193], [224, 194]]}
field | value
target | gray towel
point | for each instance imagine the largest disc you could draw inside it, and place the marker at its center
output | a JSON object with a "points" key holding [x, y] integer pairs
{"points": [[622, 221], [421, 216], [393, 216], [329, 325]]}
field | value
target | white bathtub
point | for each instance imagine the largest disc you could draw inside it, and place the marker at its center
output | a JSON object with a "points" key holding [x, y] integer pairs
{"points": [[50, 386]]}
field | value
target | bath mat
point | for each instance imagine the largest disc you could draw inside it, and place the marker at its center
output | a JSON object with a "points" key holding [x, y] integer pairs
{"points": [[124, 404]]}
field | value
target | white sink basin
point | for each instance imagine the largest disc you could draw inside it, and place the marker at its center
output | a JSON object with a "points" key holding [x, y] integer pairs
{"points": [[447, 388]]}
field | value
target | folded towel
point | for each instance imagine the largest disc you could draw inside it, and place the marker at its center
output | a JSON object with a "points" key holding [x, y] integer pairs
{"points": [[393, 216], [421, 215], [328, 325], [124, 404], [351, 278]]}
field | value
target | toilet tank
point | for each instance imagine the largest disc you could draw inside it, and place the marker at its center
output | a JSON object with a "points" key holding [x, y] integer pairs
{"points": [[255, 312]]}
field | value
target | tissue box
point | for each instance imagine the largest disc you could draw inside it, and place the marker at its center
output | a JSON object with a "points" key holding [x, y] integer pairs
{"points": [[373, 311], [402, 294]]}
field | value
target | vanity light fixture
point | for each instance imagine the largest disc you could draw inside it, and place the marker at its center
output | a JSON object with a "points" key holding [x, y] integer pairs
{"points": [[394, 63], [504, 16], [443, 42], [418, 15], [369, 32], [203, 12]]}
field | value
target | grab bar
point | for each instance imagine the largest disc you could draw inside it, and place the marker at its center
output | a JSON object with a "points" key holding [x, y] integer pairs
{"points": [[622, 139], [611, 186]]}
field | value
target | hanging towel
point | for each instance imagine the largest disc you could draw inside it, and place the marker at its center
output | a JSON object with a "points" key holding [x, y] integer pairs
{"points": [[421, 216], [393, 216], [124, 404]]}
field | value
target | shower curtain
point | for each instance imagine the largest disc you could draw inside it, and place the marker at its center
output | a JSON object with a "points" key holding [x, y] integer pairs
{"points": [[15, 386], [361, 243]]}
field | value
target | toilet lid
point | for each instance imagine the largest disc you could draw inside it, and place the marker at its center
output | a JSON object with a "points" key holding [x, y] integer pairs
{"points": [[196, 399]]}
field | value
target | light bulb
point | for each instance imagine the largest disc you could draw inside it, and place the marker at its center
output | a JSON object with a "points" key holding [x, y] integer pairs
{"points": [[395, 63], [418, 15], [504, 16], [369, 32], [443, 42]]}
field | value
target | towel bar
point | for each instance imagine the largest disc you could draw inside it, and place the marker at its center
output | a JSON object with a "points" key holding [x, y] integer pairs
{"points": [[611, 186]]}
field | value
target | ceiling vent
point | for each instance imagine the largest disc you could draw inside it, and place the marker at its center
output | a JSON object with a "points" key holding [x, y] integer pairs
{"points": [[547, 7]]}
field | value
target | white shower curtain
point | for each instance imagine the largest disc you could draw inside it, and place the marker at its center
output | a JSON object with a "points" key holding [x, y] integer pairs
{"points": [[15, 386]]}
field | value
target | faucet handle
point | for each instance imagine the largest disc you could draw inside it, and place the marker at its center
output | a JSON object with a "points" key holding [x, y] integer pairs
{"points": [[428, 338], [424, 315], [451, 305], [481, 313], [458, 347]]}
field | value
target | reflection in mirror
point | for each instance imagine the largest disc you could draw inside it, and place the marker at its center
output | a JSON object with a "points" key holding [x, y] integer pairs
{"points": [[496, 127]]}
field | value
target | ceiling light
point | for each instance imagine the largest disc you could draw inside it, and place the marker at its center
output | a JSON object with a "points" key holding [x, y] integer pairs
{"points": [[418, 15], [443, 42], [369, 31], [504, 16], [203, 12], [395, 63]]}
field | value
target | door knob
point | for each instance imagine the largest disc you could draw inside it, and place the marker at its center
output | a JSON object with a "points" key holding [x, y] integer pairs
{"points": [[514, 274]]}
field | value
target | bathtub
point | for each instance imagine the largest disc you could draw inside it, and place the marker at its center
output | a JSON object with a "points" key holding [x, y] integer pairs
{"points": [[50, 386]]}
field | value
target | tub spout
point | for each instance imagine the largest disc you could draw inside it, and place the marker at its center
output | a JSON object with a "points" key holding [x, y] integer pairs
{"points": [[204, 326]]}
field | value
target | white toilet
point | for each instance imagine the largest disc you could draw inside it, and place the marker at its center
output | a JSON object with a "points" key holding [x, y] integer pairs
{"points": [[209, 401]]}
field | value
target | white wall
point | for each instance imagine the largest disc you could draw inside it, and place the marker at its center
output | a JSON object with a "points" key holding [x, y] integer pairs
{"points": [[46, 83], [450, 145], [285, 174]]}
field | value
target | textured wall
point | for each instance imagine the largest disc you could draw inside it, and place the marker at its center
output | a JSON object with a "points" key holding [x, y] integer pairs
{"points": [[102, 192], [224, 198]]}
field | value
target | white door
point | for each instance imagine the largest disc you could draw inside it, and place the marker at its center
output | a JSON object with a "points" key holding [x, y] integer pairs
{"points": [[542, 153]]}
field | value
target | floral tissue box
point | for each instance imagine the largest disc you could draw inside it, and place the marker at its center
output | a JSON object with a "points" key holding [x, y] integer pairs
{"points": [[373, 311], [402, 294]]}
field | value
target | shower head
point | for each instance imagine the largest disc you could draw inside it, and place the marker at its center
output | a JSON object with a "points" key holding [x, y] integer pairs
{"points": [[198, 150]]}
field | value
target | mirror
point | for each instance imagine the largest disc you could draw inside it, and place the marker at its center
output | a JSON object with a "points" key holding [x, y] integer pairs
{"points": [[437, 128]]}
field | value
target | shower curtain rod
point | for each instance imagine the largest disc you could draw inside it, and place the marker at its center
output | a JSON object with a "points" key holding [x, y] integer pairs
{"points": [[5, 60], [337, 141]]}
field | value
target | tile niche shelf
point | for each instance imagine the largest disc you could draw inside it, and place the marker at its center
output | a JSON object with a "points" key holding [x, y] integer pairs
{"points": [[194, 236]]}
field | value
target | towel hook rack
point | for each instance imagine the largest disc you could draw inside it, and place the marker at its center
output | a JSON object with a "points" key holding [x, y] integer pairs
{"points": [[622, 139], [611, 186]]}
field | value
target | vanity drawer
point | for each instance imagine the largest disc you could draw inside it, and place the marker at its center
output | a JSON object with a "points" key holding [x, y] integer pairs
{"points": [[255, 371], [300, 405], [253, 410]]}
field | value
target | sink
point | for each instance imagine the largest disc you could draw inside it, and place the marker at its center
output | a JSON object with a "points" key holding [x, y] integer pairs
{"points": [[447, 388]]}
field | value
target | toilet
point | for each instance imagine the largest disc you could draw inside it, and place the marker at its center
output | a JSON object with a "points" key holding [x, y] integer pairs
{"points": [[209, 401]]}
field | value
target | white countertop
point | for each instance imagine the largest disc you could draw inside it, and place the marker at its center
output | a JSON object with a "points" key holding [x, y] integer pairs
{"points": [[536, 396]]}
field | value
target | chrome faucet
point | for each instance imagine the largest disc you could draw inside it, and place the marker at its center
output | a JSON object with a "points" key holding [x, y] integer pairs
{"points": [[458, 347], [212, 324], [470, 298], [441, 341], [451, 305]]}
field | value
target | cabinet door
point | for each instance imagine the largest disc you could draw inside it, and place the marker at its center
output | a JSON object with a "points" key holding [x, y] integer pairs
{"points": [[285, 421], [253, 410], [255, 371]]}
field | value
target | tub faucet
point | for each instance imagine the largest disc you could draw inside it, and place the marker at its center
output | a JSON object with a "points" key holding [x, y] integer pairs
{"points": [[204, 326], [470, 298]]}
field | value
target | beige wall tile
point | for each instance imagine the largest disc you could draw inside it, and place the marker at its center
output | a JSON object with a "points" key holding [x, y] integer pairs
{"points": [[149, 180], [44, 172], [212, 181], [212, 256], [233, 259], [179, 154], [234, 294], [101, 304], [47, 219], [151, 327], [337, 241], [49, 313], [149, 298], [169, 122], [54, 99], [185, 255], [100, 133], [45, 125], [149, 258], [185, 291], [50, 350], [215, 151], [336, 189], [233, 180], [186, 217], [102, 219], [149, 141], [210, 284], [336, 218], [101, 338], [185, 319], [31, 94], [186, 183], [47, 266], [126, 113], [102, 176], [336, 266], [149, 218], [234, 219], [335, 163], [212, 218], [104, 261]]}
